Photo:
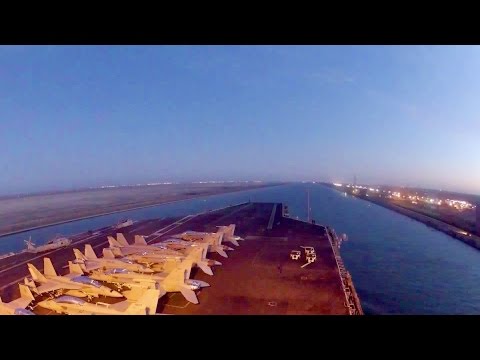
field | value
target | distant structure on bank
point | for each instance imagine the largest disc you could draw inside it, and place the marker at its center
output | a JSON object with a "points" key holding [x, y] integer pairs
{"points": [[478, 218], [123, 223], [56, 243]]}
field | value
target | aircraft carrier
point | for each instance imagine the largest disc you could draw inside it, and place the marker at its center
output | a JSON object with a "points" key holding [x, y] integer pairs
{"points": [[259, 277]]}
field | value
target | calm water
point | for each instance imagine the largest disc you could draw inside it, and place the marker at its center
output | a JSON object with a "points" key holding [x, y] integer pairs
{"points": [[399, 266]]}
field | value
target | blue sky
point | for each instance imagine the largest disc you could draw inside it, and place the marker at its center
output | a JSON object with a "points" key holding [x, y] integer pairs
{"points": [[74, 116]]}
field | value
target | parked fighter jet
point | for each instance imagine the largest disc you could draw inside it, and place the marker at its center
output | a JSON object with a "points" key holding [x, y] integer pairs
{"points": [[121, 247], [176, 280], [198, 257], [17, 306], [228, 232], [71, 284], [146, 305], [183, 245], [156, 262], [131, 290], [214, 240], [92, 262], [127, 249]]}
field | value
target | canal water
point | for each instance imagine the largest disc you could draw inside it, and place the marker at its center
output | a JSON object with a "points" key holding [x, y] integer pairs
{"points": [[398, 265]]}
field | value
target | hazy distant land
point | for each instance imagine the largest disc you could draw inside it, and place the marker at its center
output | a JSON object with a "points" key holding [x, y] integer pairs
{"points": [[23, 213]]}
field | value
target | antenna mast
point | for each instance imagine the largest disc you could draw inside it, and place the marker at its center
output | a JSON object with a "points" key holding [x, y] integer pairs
{"points": [[308, 205]]}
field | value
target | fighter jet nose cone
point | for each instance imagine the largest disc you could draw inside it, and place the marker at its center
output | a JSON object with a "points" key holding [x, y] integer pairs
{"points": [[21, 311], [213, 262], [203, 283]]}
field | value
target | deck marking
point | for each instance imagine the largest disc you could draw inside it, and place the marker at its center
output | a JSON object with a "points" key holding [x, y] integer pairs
{"points": [[176, 222], [160, 234], [231, 213], [179, 307], [148, 222], [272, 216], [176, 306], [13, 282], [276, 238], [256, 255]]}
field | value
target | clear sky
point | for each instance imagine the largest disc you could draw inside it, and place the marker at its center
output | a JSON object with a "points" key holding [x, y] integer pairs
{"points": [[73, 116]]}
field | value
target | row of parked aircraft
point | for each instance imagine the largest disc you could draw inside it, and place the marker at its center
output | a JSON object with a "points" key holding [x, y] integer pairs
{"points": [[139, 272]]}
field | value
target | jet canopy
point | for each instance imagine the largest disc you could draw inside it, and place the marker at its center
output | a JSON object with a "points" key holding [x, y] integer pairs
{"points": [[86, 280], [180, 242], [116, 271], [20, 311], [160, 246], [128, 261], [65, 299]]}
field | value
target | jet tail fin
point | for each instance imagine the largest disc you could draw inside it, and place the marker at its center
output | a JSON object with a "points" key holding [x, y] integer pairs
{"points": [[197, 257], [204, 246], [48, 268], [25, 294], [112, 242], [108, 253], [31, 285], [180, 273], [36, 274], [188, 263], [26, 297], [231, 229], [89, 253], [229, 232], [140, 240], [219, 239], [75, 268], [121, 239], [79, 255], [196, 253], [176, 279]]}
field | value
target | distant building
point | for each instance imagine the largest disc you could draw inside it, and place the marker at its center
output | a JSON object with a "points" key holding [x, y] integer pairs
{"points": [[478, 218]]}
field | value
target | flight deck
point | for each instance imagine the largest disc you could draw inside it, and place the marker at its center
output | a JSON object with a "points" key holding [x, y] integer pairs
{"points": [[259, 277]]}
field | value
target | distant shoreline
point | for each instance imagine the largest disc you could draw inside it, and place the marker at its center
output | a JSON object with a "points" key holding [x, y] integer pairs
{"points": [[134, 208], [112, 187], [431, 222]]}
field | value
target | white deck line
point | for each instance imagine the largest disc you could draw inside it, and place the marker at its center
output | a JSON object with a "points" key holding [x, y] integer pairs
{"points": [[272, 216]]}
